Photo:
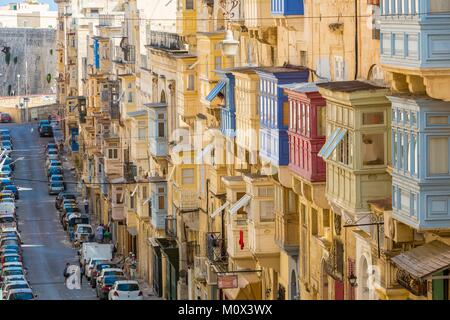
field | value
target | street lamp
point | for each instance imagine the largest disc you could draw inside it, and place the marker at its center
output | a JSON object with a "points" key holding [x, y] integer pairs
{"points": [[352, 280], [229, 44]]}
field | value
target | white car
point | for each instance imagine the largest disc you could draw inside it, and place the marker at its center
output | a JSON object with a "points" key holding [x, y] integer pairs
{"points": [[125, 290], [109, 272], [19, 284], [7, 208], [20, 294], [90, 266]]}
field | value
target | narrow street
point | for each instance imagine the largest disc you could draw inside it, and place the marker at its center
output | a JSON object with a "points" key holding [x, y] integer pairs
{"points": [[46, 246]]}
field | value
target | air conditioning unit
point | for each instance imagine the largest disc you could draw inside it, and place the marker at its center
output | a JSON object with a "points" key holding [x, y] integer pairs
{"points": [[211, 275], [396, 230]]}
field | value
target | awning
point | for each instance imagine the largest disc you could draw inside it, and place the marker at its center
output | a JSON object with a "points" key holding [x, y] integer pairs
{"points": [[332, 142], [425, 260], [240, 203], [219, 209], [250, 288], [215, 91]]}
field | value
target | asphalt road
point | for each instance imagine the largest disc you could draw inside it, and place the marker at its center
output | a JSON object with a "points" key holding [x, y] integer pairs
{"points": [[46, 247]]}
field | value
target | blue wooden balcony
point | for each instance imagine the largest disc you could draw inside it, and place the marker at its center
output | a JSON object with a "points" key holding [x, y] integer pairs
{"points": [[158, 135], [158, 200], [287, 7], [415, 34]]}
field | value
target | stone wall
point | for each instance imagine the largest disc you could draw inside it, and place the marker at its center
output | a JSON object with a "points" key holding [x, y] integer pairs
{"points": [[34, 46]]}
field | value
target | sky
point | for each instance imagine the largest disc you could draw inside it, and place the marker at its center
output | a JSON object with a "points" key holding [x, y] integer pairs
{"points": [[51, 2]]}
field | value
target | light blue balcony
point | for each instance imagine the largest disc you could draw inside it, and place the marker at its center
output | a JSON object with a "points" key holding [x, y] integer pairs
{"points": [[96, 54], [421, 161], [415, 33], [287, 7], [228, 111], [158, 200], [157, 128]]}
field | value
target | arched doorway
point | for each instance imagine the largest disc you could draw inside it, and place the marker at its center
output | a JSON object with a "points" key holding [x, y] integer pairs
{"points": [[294, 291], [364, 293], [324, 282]]}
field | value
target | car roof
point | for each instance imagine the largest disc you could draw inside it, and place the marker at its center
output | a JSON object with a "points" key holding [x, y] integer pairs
{"points": [[111, 269], [11, 255], [21, 290], [11, 268], [17, 282], [127, 282], [11, 264]]}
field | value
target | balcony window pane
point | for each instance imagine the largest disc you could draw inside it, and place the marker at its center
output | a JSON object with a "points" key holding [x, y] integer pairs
{"points": [[187, 176], [189, 4], [142, 133], [314, 222], [161, 130], [266, 211], [439, 7], [321, 121], [161, 203], [286, 114], [437, 120], [373, 149], [372, 118], [438, 164], [191, 82]]}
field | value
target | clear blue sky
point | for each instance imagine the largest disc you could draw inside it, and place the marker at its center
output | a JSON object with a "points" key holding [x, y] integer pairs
{"points": [[51, 2]]}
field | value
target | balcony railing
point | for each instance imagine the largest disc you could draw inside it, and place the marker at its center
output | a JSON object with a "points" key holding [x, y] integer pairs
{"points": [[164, 40], [129, 171], [216, 250], [185, 199]]}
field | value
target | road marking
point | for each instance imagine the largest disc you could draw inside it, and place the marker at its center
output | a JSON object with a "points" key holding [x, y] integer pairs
{"points": [[24, 189], [32, 245]]}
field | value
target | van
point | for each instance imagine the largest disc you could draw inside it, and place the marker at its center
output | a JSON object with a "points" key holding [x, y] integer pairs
{"points": [[46, 131]]}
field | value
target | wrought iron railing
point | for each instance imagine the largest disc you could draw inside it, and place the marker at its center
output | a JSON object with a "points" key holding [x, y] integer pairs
{"points": [[171, 227], [216, 250]]}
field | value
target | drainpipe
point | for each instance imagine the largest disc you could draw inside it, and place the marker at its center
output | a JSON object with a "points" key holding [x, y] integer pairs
{"points": [[356, 40]]}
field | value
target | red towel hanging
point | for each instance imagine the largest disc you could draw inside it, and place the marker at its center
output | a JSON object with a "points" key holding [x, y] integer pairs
{"points": [[241, 239]]}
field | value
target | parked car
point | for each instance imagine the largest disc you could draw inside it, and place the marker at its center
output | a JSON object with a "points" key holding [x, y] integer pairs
{"points": [[6, 175], [10, 162], [14, 189], [8, 219], [90, 266], [53, 154], [105, 285], [96, 271], [6, 137], [5, 118], [7, 194], [83, 232], [11, 285], [109, 272], [14, 278], [46, 131], [5, 131], [72, 203], [55, 188], [57, 178], [10, 257], [62, 196], [20, 294], [5, 181], [6, 145], [11, 265], [7, 170], [15, 248], [54, 170], [54, 163], [11, 271], [125, 290], [43, 123]]}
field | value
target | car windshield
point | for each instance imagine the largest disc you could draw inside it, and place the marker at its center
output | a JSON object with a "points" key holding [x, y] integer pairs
{"points": [[69, 197], [17, 286], [11, 187], [9, 242], [56, 185], [12, 259], [21, 296], [12, 272], [6, 143], [113, 273], [8, 219], [100, 267], [109, 281], [57, 178], [52, 151], [84, 230], [128, 287]]}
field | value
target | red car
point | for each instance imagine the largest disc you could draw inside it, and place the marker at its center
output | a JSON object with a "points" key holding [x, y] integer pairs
{"points": [[4, 117]]}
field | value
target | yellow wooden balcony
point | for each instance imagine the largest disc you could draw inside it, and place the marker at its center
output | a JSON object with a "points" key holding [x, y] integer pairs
{"points": [[185, 199]]}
